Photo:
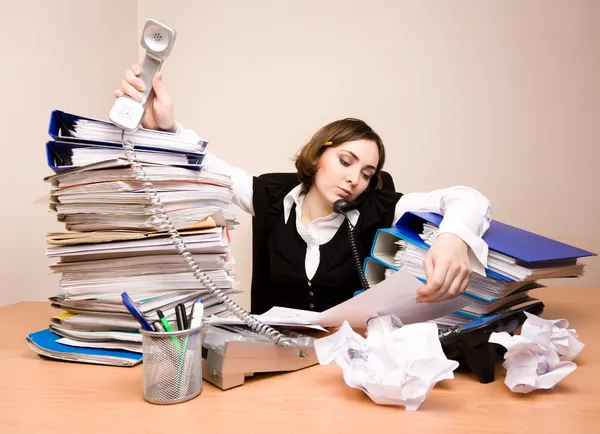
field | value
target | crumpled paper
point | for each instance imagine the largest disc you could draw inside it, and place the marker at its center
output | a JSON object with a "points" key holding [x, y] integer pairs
{"points": [[394, 365], [541, 356], [563, 339]]}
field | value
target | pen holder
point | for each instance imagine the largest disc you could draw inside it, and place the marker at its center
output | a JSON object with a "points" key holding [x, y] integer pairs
{"points": [[172, 365]]}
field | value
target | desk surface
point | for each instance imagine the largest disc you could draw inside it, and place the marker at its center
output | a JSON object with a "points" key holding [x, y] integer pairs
{"points": [[44, 396]]}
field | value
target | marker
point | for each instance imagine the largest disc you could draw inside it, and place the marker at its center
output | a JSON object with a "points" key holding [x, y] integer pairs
{"points": [[164, 321], [191, 314], [198, 312], [168, 329], [180, 313]]}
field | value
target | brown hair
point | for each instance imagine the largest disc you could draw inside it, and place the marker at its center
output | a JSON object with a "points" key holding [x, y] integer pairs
{"points": [[332, 135]]}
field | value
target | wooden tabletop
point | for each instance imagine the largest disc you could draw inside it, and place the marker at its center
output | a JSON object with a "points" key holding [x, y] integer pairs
{"points": [[42, 396]]}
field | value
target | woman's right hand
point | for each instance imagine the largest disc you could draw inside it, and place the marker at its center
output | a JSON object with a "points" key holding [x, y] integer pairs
{"points": [[159, 107]]}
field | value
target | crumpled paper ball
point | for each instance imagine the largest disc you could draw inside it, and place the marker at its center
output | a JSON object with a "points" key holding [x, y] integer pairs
{"points": [[394, 364], [563, 339], [541, 356]]}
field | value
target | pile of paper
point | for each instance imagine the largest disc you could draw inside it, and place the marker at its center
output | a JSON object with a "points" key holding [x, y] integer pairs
{"points": [[114, 243], [107, 196]]}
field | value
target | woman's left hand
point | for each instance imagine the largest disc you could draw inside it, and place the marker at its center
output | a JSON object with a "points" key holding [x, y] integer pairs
{"points": [[447, 269]]}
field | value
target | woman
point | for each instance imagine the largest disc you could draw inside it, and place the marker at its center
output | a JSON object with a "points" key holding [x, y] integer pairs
{"points": [[306, 261]]}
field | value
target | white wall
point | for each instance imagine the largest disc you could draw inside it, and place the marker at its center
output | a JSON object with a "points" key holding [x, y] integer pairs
{"points": [[63, 54], [501, 96]]}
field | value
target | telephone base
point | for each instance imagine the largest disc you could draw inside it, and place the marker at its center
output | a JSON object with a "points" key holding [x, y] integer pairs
{"points": [[469, 344], [227, 360]]}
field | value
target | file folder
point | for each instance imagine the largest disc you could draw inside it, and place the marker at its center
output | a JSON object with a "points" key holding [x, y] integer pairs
{"points": [[62, 123], [58, 154], [524, 246], [44, 342], [411, 234]]}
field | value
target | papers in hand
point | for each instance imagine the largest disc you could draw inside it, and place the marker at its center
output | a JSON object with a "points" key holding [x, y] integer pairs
{"points": [[541, 356], [395, 295], [394, 365]]}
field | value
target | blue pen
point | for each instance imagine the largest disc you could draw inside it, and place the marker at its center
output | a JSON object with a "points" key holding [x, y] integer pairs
{"points": [[128, 302]]}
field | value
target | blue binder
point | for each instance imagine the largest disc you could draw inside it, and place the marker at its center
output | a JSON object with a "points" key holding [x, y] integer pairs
{"points": [[411, 235], [526, 247], [47, 340], [62, 123], [59, 153]]}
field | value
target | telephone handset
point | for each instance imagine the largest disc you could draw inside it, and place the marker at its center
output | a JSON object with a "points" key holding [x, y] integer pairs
{"points": [[157, 39], [342, 206], [126, 113]]}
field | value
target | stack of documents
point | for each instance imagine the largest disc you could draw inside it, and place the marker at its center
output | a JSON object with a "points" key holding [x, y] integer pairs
{"points": [[114, 243], [107, 196], [517, 260]]}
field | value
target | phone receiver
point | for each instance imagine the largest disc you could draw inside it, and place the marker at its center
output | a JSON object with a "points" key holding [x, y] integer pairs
{"points": [[158, 40], [342, 206]]}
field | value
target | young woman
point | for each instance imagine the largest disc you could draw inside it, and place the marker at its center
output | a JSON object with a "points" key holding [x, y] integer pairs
{"points": [[305, 257]]}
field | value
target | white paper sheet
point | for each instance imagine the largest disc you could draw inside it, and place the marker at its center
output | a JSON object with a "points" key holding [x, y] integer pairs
{"points": [[396, 295]]}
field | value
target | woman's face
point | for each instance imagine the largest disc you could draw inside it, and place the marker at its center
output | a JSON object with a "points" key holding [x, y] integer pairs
{"points": [[346, 170]]}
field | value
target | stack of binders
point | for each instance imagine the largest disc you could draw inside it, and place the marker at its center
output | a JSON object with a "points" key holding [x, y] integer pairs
{"points": [[114, 244], [517, 260]]}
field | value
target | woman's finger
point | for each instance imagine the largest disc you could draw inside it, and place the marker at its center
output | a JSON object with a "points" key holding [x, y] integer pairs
{"points": [[134, 81], [130, 91]]}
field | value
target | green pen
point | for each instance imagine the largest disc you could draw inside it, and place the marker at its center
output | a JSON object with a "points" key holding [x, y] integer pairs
{"points": [[168, 329], [177, 345]]}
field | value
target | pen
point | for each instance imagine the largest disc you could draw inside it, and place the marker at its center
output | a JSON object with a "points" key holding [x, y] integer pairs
{"points": [[129, 304], [181, 316]]}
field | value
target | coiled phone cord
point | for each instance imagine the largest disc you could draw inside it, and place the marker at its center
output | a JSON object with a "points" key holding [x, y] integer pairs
{"points": [[356, 256], [158, 211]]}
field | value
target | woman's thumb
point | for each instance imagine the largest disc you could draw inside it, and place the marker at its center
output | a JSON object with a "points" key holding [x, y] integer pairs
{"points": [[157, 85]]}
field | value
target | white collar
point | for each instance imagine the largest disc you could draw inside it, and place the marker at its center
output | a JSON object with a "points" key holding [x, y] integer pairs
{"points": [[294, 196]]}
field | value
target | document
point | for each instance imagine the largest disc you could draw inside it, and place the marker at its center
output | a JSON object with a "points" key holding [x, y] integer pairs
{"points": [[396, 295]]}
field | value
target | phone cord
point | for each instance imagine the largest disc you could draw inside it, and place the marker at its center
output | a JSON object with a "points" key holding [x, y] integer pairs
{"points": [[356, 256], [158, 210]]}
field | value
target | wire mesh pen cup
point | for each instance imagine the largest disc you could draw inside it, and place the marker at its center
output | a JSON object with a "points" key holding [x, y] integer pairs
{"points": [[172, 365]]}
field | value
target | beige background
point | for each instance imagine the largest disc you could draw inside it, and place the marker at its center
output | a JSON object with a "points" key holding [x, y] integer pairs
{"points": [[500, 96]]}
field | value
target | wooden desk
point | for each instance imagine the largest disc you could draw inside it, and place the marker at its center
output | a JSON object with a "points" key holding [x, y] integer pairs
{"points": [[41, 396]]}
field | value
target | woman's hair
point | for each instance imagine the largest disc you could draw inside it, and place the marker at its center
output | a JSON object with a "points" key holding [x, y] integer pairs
{"points": [[332, 135]]}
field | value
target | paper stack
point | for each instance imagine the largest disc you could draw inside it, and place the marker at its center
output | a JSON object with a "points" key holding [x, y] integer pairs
{"points": [[517, 260], [115, 244]]}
